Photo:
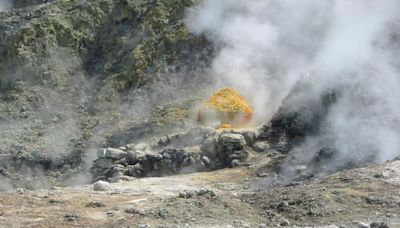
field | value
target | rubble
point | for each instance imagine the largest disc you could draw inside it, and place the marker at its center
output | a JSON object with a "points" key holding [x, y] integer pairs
{"points": [[199, 149]]}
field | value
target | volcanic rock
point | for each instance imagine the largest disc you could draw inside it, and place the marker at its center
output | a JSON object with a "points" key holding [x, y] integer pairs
{"points": [[232, 141], [235, 163], [363, 225], [209, 145], [379, 225], [115, 153]]}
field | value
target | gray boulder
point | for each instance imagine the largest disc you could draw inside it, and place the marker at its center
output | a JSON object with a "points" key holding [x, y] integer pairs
{"points": [[210, 145], [231, 141], [101, 186], [115, 153], [249, 136], [136, 170], [134, 156]]}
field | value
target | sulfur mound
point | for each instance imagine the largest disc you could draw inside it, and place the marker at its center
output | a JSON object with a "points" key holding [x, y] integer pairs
{"points": [[228, 106]]}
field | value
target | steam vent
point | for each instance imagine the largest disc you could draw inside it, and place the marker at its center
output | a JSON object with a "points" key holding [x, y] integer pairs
{"points": [[228, 107]]}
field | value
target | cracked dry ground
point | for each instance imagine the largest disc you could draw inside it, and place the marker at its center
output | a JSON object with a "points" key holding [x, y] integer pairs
{"points": [[234, 197]]}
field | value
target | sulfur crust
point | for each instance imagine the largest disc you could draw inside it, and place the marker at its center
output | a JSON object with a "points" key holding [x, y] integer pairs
{"points": [[229, 100]]}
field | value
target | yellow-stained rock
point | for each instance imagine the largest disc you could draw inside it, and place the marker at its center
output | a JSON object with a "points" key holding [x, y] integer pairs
{"points": [[227, 106]]}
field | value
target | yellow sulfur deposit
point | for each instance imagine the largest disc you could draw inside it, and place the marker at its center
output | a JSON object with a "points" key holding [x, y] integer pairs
{"points": [[229, 101], [230, 107]]}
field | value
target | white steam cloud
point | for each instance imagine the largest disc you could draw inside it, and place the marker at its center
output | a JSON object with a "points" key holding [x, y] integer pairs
{"points": [[5, 5], [267, 46]]}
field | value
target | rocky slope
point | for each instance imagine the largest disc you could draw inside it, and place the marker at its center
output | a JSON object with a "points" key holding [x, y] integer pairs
{"points": [[78, 75]]}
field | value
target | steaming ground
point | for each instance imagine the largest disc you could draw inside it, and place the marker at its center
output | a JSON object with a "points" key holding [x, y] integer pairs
{"points": [[5, 5], [283, 54]]}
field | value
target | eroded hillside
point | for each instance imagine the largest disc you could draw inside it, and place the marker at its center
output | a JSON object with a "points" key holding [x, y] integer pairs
{"points": [[74, 73]]}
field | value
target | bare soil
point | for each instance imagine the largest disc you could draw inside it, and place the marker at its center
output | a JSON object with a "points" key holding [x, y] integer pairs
{"points": [[236, 197]]}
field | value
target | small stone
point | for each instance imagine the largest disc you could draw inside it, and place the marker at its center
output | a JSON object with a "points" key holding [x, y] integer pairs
{"points": [[262, 174], [132, 210], [54, 188], [235, 163], [262, 225], [143, 226], [282, 206], [206, 160], [21, 191], [101, 186], [202, 191], [362, 225], [237, 223], [163, 141], [182, 195], [379, 225], [71, 217], [380, 175], [95, 204], [167, 155], [54, 201], [285, 223], [259, 147], [190, 194], [163, 213]]}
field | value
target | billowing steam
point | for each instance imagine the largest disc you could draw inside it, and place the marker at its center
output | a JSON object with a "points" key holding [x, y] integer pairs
{"points": [[267, 46], [5, 5]]}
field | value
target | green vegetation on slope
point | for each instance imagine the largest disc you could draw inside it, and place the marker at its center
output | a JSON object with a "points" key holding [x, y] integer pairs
{"points": [[68, 69]]}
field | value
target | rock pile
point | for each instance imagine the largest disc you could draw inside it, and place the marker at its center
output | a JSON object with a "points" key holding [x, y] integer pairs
{"points": [[200, 149]]}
